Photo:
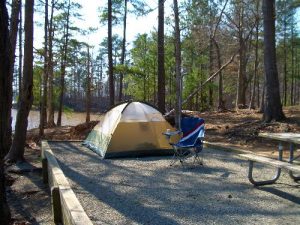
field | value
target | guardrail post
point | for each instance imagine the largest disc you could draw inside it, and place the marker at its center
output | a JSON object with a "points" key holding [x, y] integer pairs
{"points": [[45, 170], [56, 205]]}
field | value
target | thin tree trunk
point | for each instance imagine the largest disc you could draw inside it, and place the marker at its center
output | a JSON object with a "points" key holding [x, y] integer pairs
{"points": [[285, 63], [221, 103], [178, 67], [273, 107], [123, 50], [110, 59], [14, 23], [263, 97], [20, 52], [241, 91], [5, 102], [292, 69], [16, 152], [161, 91], [88, 88], [256, 63], [63, 69], [211, 65], [242, 79], [50, 102], [43, 116]]}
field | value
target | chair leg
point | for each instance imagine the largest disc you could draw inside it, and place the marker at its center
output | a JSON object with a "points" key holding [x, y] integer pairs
{"points": [[182, 154], [176, 156], [198, 159]]}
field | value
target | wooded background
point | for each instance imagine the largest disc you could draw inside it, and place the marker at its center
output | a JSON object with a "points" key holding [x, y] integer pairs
{"points": [[211, 33]]}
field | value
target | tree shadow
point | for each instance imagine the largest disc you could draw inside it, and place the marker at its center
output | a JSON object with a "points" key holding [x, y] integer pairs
{"points": [[154, 193]]}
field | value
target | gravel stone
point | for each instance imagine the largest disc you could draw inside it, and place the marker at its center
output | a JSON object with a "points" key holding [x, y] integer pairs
{"points": [[150, 191]]}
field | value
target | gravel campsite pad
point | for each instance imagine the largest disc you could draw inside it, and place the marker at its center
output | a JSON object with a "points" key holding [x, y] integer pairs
{"points": [[150, 191]]}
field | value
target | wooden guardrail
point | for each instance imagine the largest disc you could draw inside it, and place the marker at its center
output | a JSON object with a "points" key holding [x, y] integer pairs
{"points": [[66, 208]]}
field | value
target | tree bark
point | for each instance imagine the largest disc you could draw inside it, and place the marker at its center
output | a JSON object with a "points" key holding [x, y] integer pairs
{"points": [[256, 62], [123, 50], [221, 103], [241, 91], [88, 88], [285, 61], [161, 92], [178, 67], [13, 35], [211, 69], [292, 100], [5, 102], [7, 89], [50, 102], [16, 152], [63, 69], [273, 107], [43, 115], [20, 52], [110, 59]]}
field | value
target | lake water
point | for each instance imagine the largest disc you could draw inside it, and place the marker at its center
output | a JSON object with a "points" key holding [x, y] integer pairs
{"points": [[70, 119]]}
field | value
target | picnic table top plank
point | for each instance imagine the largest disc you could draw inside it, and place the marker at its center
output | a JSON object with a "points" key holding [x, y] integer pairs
{"points": [[272, 162], [287, 137]]}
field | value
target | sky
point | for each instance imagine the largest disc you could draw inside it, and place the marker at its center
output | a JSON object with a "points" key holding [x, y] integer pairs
{"points": [[90, 18]]}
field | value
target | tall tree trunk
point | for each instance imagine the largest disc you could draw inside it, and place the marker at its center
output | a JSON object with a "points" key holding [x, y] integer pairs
{"points": [[43, 116], [88, 88], [285, 61], [123, 50], [63, 69], [178, 67], [110, 57], [292, 69], [5, 102], [13, 35], [256, 62], [20, 52], [242, 79], [241, 91], [161, 91], [14, 22], [273, 107], [211, 68], [221, 103], [50, 102], [16, 152]]}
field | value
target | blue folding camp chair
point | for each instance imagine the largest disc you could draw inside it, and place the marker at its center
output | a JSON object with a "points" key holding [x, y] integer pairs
{"points": [[191, 142]]}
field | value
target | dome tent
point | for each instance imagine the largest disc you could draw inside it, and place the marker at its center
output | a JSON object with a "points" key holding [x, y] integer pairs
{"points": [[130, 129]]}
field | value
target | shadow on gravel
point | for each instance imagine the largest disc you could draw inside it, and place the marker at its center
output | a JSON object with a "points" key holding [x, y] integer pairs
{"points": [[105, 193], [281, 194], [151, 192]]}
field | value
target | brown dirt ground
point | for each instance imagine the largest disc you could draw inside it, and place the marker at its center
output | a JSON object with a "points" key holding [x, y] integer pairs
{"points": [[29, 198]]}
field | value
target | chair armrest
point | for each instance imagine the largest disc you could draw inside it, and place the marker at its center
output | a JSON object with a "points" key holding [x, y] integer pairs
{"points": [[171, 133]]}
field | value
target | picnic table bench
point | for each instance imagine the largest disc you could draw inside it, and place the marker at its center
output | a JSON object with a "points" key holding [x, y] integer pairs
{"points": [[292, 139]]}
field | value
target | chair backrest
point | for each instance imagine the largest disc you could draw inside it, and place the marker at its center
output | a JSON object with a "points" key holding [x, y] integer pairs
{"points": [[192, 129]]}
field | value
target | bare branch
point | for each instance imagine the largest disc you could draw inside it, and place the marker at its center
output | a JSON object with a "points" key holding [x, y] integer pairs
{"points": [[200, 86]]}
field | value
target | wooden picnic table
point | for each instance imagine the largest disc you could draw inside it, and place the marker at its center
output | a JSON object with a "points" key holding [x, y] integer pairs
{"points": [[292, 139]]}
